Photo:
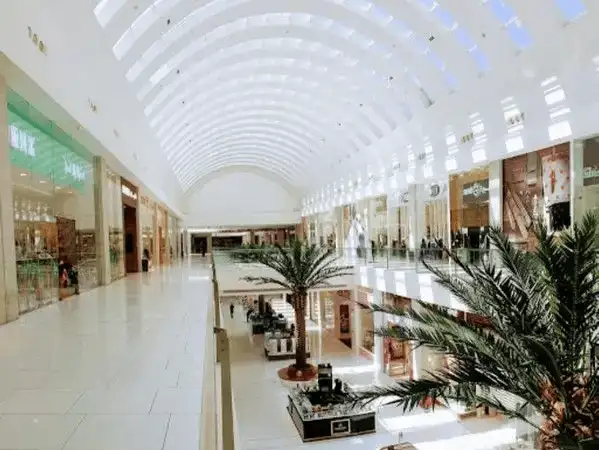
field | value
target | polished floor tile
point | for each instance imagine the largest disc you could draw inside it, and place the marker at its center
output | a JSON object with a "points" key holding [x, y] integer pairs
{"points": [[37, 401], [43, 432], [178, 401], [120, 432], [85, 374]]}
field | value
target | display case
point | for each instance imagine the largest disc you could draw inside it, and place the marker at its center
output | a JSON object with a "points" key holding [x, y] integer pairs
{"points": [[340, 418], [281, 345]]}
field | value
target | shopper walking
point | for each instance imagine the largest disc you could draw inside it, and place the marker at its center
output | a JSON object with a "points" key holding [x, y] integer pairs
{"points": [[231, 309]]}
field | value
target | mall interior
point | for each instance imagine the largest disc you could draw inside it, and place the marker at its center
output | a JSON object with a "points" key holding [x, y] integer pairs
{"points": [[143, 141]]}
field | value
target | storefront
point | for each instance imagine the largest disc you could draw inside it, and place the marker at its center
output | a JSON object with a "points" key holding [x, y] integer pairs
{"points": [[148, 219], [469, 210], [162, 236], [114, 213], [432, 200], [54, 213], [378, 225], [590, 189], [366, 323], [536, 188], [397, 354], [399, 224], [130, 199]]}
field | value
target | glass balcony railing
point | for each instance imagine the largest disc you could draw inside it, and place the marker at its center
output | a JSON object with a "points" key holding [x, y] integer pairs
{"points": [[387, 258]]}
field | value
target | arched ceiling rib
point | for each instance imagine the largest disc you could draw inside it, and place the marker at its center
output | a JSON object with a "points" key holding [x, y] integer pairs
{"points": [[297, 87]]}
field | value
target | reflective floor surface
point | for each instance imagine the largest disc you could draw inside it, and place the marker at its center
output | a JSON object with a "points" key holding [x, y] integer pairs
{"points": [[117, 368], [263, 423]]}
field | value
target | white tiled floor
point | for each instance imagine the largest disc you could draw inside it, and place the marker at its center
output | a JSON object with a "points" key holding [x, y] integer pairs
{"points": [[263, 422], [117, 368]]}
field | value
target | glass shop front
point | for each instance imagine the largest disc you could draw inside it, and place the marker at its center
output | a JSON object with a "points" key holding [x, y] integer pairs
{"points": [[54, 209]]}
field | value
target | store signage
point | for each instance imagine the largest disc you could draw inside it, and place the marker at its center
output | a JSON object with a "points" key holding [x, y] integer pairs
{"points": [[476, 192], [340, 427], [128, 192], [75, 170], [590, 172], [21, 140]]}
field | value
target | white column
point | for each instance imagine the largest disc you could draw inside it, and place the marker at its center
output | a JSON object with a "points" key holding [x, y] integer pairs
{"points": [[496, 193], [155, 256], [576, 180], [9, 300], [416, 229], [356, 323], [339, 231], [322, 318], [102, 211], [379, 354]]}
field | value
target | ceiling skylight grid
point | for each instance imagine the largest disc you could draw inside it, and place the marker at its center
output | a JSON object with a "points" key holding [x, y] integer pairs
{"points": [[295, 141], [571, 9], [259, 117], [165, 123], [510, 21]]}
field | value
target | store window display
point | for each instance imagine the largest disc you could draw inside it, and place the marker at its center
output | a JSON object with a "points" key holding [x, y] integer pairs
{"points": [[536, 188], [399, 225], [590, 190], [378, 226], [53, 204], [147, 217], [397, 354], [469, 212]]}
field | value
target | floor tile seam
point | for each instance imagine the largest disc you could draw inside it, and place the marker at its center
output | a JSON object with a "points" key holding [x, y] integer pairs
{"points": [[153, 402], [168, 426], [75, 402], [73, 432]]}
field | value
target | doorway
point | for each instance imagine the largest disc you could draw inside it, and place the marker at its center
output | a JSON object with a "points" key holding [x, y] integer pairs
{"points": [[131, 250], [199, 243]]}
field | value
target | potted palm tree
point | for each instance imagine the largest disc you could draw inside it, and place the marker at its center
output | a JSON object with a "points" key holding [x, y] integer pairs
{"points": [[299, 269], [543, 310]]}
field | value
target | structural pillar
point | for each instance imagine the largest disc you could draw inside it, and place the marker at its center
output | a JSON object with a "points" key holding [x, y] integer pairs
{"points": [[379, 354], [101, 215], [9, 299], [496, 193], [356, 338], [576, 180], [322, 318], [156, 243]]}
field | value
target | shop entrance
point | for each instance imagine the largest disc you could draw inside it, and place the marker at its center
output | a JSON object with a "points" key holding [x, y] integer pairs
{"points": [[130, 226], [131, 251], [199, 244]]}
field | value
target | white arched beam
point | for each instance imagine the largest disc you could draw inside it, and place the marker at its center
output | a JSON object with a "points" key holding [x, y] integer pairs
{"points": [[384, 112], [306, 103], [318, 28], [267, 114]]}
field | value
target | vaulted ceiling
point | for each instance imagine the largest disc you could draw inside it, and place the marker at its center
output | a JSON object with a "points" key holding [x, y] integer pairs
{"points": [[316, 91]]}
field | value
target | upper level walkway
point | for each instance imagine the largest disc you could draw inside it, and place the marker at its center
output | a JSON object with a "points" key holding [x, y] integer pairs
{"points": [[117, 368]]}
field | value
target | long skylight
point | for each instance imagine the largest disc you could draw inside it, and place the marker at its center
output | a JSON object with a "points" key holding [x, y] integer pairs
{"points": [[571, 9], [508, 18]]}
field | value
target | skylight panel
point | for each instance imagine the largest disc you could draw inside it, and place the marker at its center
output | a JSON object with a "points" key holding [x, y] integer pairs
{"points": [[571, 9], [508, 18], [379, 15], [105, 10]]}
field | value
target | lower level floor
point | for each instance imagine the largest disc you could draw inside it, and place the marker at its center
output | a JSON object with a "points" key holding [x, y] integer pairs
{"points": [[120, 368]]}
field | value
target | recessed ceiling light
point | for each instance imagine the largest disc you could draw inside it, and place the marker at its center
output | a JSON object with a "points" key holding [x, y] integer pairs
{"points": [[57, 188], [24, 174], [43, 181]]}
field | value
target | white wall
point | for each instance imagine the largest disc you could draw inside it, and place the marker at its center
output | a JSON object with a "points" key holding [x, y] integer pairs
{"points": [[242, 198]]}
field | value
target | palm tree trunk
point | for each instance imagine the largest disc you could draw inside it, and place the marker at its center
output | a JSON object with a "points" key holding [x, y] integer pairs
{"points": [[300, 325]]}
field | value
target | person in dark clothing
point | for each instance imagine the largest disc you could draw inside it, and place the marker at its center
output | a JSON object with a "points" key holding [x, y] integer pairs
{"points": [[231, 309], [203, 250]]}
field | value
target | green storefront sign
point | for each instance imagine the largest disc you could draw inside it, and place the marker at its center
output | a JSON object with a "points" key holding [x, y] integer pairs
{"points": [[35, 150]]}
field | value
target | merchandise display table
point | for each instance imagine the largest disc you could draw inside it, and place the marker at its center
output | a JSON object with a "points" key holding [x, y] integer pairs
{"points": [[281, 345], [315, 423]]}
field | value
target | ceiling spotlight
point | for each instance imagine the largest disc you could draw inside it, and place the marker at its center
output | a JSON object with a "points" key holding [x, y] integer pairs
{"points": [[168, 21], [24, 174]]}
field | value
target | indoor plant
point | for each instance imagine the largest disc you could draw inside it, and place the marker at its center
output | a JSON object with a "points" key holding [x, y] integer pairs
{"points": [[300, 268], [543, 308]]}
